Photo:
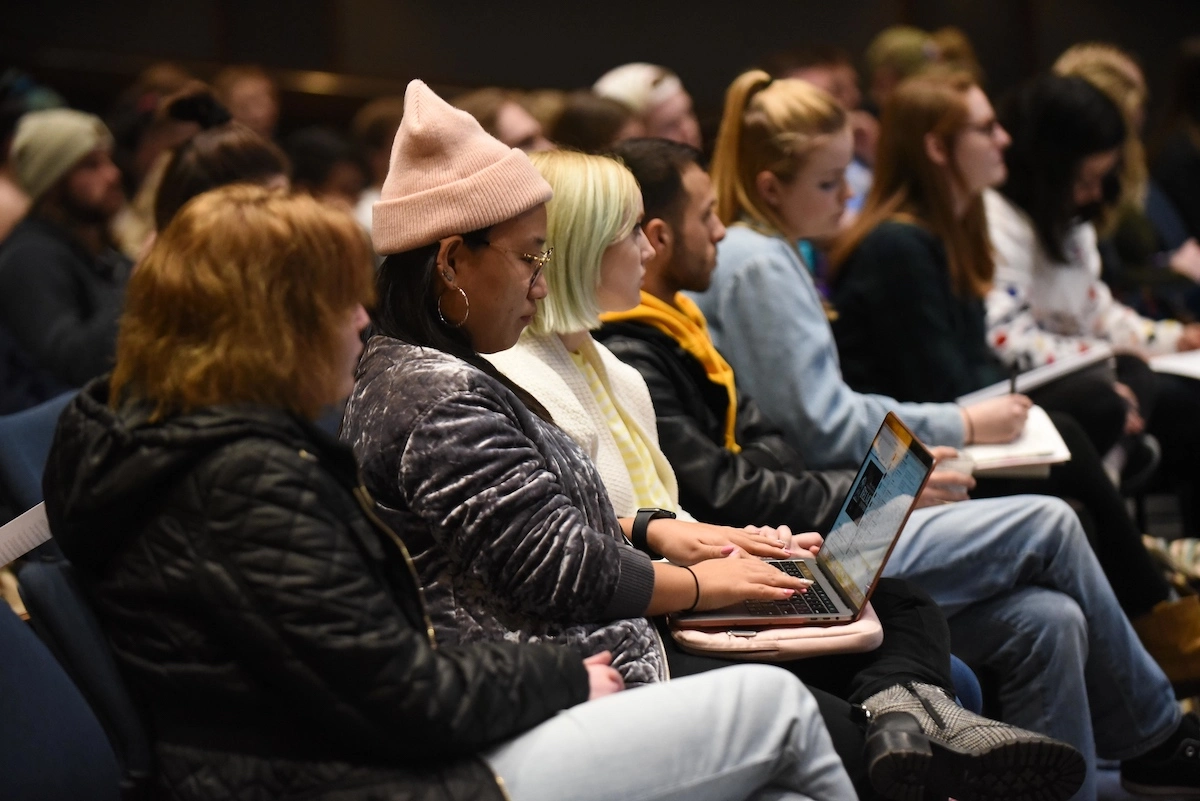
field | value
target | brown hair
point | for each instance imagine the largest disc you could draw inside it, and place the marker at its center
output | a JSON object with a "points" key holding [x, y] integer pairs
{"points": [[590, 123], [231, 76], [375, 124], [955, 50], [241, 300], [485, 104], [226, 154], [767, 125], [908, 183]]}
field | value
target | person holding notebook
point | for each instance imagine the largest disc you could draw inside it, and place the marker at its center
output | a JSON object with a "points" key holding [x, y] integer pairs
{"points": [[918, 262], [778, 177], [1048, 298], [510, 527]]}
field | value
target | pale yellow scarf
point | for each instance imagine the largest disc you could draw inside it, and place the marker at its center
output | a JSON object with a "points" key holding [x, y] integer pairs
{"points": [[685, 323]]}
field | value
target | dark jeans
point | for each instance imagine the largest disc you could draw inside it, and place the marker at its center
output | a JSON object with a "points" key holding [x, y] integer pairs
{"points": [[1114, 537], [1170, 405], [916, 647], [1089, 398]]}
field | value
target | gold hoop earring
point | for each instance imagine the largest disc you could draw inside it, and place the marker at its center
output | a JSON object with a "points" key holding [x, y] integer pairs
{"points": [[467, 314]]}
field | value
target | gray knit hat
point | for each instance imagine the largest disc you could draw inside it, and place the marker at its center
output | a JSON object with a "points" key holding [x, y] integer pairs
{"points": [[49, 143]]}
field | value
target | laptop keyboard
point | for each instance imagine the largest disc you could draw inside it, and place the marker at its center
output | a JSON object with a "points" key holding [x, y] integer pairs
{"points": [[813, 602]]}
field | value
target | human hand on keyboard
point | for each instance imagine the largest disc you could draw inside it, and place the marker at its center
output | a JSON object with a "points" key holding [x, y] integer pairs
{"points": [[805, 544], [727, 581], [687, 543]]}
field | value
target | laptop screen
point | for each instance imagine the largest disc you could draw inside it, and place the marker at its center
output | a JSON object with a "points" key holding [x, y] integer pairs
{"points": [[876, 507]]}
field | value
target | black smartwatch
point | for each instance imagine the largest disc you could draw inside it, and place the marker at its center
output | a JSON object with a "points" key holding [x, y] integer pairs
{"points": [[641, 523]]}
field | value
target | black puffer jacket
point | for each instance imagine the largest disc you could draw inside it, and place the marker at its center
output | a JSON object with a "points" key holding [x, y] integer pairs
{"points": [[767, 483], [273, 633]]}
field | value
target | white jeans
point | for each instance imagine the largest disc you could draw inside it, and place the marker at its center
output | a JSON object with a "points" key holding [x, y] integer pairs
{"points": [[743, 732]]}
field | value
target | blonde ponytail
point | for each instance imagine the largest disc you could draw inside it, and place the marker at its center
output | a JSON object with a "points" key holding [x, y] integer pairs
{"points": [[729, 189], [767, 125]]}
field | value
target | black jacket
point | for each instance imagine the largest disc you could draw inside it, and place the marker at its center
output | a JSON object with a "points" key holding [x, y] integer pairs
{"points": [[1177, 171], [59, 303], [767, 483], [273, 633], [901, 329]]}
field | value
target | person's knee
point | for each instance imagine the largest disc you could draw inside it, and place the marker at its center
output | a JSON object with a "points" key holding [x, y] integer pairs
{"points": [[1058, 628], [1056, 521], [765, 689]]}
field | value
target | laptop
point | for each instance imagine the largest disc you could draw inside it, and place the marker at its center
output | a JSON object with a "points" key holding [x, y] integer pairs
{"points": [[847, 568]]}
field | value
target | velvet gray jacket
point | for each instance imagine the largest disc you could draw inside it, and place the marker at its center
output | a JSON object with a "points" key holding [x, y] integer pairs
{"points": [[507, 520]]}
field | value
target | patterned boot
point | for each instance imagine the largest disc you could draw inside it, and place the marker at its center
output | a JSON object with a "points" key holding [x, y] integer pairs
{"points": [[922, 745]]}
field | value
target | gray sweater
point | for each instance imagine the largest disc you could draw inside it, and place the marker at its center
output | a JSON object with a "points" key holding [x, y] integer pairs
{"points": [[508, 522]]}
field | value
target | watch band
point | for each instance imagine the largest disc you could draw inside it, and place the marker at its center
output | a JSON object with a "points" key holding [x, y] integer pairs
{"points": [[641, 524]]}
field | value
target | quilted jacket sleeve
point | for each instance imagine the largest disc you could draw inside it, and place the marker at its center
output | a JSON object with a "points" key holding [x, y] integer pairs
{"points": [[720, 486], [500, 508], [304, 603]]}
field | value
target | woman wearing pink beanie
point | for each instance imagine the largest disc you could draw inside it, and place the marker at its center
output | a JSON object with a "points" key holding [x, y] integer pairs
{"points": [[507, 521]]}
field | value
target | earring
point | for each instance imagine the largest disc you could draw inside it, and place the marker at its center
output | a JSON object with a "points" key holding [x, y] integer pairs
{"points": [[467, 314]]}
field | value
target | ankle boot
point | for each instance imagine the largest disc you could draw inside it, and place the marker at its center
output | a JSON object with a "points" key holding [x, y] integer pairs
{"points": [[1171, 634], [922, 745]]}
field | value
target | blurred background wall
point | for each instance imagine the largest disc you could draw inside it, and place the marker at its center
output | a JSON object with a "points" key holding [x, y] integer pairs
{"points": [[331, 55]]}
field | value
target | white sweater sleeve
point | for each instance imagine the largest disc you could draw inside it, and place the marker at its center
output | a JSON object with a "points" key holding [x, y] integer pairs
{"points": [[1112, 320], [1014, 330]]}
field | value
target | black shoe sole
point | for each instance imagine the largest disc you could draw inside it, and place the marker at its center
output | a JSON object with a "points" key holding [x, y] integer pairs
{"points": [[909, 766]]}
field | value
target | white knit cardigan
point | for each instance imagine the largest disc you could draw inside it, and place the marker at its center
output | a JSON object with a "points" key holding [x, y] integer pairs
{"points": [[543, 367]]}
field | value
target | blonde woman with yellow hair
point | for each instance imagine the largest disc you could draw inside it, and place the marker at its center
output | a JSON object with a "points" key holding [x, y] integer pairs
{"points": [[779, 175]]}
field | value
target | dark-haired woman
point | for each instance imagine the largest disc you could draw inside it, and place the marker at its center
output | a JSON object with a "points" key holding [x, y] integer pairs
{"points": [[1048, 301]]}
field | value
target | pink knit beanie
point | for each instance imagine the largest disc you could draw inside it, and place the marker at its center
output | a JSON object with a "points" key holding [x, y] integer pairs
{"points": [[448, 177]]}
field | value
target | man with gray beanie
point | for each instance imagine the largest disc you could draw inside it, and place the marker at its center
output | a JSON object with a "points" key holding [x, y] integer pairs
{"points": [[62, 283]]}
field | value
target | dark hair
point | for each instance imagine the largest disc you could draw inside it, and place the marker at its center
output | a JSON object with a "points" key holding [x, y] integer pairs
{"points": [[1055, 122], [374, 125], [484, 105], [782, 63], [1185, 90], [230, 153], [195, 103], [658, 165], [589, 122], [407, 309], [313, 152], [135, 113]]}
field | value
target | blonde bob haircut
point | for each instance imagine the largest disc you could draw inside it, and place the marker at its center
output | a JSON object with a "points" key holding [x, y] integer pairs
{"points": [[770, 125], [596, 203], [242, 299]]}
